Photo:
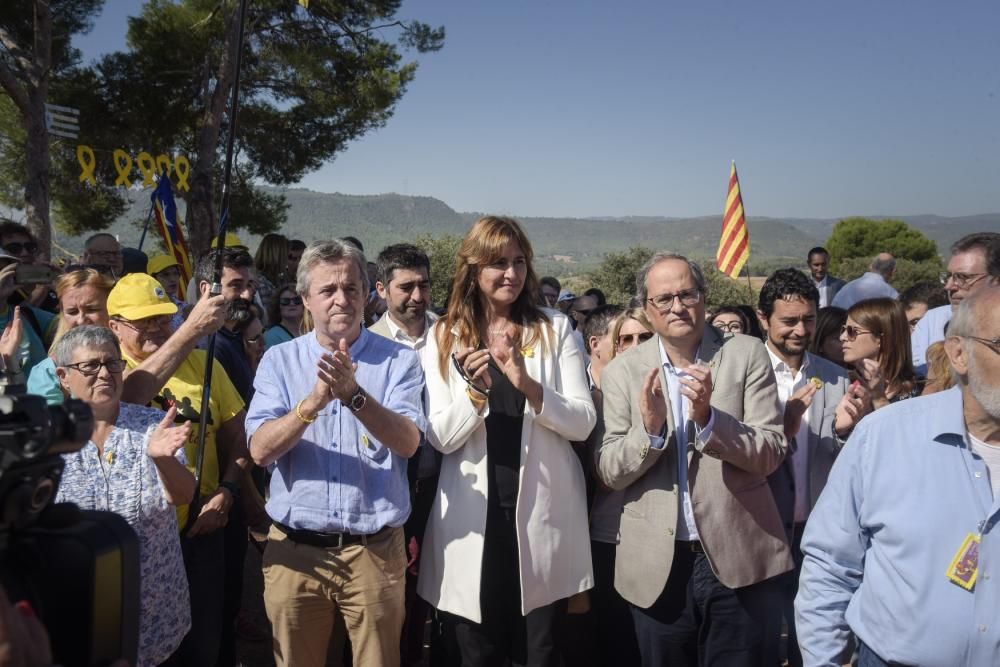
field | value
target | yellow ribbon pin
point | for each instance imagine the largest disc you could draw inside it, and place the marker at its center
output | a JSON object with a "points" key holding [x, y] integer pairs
{"points": [[123, 165], [147, 167], [88, 163], [182, 168]]}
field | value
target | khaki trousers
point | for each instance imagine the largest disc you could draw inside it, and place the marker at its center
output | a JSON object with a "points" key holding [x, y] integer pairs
{"points": [[306, 587]]}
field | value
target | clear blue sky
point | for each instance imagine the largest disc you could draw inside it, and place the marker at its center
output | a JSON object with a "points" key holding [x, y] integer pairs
{"points": [[581, 108]]}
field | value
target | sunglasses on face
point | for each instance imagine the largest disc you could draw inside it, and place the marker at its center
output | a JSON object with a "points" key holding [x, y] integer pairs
{"points": [[290, 301], [853, 332], [17, 248], [627, 340]]}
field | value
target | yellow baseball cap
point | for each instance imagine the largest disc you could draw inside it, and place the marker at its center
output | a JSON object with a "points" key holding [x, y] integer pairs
{"points": [[157, 263], [232, 241], [138, 296]]}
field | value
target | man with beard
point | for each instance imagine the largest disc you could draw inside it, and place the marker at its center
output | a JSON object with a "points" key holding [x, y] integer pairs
{"points": [[901, 550], [973, 265], [140, 313], [237, 282], [810, 390], [403, 282]]}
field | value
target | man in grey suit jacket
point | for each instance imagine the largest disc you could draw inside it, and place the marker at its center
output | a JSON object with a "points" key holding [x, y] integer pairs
{"points": [[826, 285], [817, 418], [692, 429]]}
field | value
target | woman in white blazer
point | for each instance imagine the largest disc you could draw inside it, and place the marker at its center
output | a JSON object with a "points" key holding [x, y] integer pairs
{"points": [[507, 540]]}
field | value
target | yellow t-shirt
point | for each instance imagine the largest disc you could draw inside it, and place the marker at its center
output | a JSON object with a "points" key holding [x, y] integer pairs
{"points": [[184, 389]]}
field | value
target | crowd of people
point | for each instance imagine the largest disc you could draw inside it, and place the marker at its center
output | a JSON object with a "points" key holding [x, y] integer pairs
{"points": [[524, 476]]}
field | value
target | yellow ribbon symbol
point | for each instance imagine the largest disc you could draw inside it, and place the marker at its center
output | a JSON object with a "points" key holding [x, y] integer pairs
{"points": [[163, 165], [182, 168], [123, 164], [88, 163], [146, 165]]}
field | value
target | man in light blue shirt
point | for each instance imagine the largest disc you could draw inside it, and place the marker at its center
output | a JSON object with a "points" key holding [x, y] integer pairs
{"points": [[891, 547], [974, 264], [338, 412], [873, 284]]}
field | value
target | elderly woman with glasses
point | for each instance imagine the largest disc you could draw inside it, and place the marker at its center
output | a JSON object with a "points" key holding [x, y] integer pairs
{"points": [[83, 299], [285, 311], [876, 343], [134, 466]]}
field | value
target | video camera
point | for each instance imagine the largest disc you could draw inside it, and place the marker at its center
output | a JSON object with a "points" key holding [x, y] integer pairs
{"points": [[78, 569]]}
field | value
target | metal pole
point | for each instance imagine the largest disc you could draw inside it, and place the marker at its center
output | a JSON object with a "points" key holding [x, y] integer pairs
{"points": [[206, 393]]}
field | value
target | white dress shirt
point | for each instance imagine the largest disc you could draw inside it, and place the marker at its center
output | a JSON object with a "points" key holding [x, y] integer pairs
{"points": [[790, 382]]}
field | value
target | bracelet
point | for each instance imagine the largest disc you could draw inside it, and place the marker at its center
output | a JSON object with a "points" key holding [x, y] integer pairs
{"points": [[485, 393], [298, 413], [476, 400]]}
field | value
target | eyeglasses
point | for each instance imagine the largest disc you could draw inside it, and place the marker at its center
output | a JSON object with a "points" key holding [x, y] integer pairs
{"points": [[628, 340], [731, 327], [993, 344], [853, 332], [664, 302], [16, 248], [93, 367], [962, 280], [147, 323], [290, 301]]}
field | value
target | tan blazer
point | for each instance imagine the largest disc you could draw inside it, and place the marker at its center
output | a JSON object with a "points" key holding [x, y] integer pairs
{"points": [[737, 519]]}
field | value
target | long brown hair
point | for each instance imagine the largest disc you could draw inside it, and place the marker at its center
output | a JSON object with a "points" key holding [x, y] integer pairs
{"points": [[483, 245], [886, 319]]}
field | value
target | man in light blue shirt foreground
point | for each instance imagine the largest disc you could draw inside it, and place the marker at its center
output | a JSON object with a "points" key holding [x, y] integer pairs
{"points": [[903, 549], [338, 412]]}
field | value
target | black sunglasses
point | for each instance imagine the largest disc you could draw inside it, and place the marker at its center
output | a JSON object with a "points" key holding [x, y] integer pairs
{"points": [[290, 301], [16, 248]]}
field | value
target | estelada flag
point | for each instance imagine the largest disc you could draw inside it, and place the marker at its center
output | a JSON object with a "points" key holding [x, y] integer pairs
{"points": [[734, 244], [170, 230]]}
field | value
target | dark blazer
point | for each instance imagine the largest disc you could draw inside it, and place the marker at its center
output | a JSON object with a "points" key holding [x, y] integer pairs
{"points": [[738, 522]]}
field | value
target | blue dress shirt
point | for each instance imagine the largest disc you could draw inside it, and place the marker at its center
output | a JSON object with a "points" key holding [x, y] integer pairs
{"points": [[929, 330], [869, 286], [338, 478], [902, 496]]}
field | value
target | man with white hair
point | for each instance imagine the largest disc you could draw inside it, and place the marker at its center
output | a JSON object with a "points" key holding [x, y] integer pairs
{"points": [[902, 550]]}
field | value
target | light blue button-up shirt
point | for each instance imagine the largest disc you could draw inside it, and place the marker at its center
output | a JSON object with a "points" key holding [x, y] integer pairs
{"points": [[679, 405], [338, 478], [929, 330], [901, 498]]}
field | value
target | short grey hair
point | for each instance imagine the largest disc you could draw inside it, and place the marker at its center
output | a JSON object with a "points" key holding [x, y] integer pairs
{"points": [[84, 336], [335, 250], [641, 292]]}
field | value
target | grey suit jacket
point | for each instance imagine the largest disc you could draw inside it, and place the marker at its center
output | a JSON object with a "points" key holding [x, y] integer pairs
{"points": [[823, 445], [738, 522]]}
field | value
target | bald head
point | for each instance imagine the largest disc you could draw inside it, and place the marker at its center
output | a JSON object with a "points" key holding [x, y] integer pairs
{"points": [[884, 264]]}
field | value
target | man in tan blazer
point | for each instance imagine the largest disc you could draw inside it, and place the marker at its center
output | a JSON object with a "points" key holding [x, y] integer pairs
{"points": [[701, 538]]}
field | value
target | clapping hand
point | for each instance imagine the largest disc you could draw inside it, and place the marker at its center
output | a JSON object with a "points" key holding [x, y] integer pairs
{"points": [[336, 371], [696, 385], [10, 340], [796, 406], [652, 405], [852, 407]]}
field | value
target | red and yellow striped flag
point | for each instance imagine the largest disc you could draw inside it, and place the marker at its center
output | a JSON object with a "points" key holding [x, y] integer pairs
{"points": [[734, 244]]}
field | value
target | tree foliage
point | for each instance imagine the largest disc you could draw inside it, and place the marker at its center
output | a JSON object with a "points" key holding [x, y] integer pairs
{"points": [[723, 290], [313, 80], [615, 276], [442, 251], [864, 237]]}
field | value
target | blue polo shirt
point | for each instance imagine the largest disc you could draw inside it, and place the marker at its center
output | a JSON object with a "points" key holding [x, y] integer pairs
{"points": [[338, 478]]}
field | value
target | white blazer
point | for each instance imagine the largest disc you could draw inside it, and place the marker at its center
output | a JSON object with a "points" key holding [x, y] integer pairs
{"points": [[552, 532]]}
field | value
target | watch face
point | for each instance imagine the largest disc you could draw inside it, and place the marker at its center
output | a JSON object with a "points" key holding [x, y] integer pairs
{"points": [[358, 400]]}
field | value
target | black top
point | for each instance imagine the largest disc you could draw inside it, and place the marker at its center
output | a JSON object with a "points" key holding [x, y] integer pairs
{"points": [[503, 439], [230, 353]]}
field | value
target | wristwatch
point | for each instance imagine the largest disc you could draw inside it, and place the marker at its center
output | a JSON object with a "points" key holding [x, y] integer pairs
{"points": [[357, 402]]}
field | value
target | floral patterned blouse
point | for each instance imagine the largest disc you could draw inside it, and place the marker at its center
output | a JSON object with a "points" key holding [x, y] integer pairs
{"points": [[125, 481]]}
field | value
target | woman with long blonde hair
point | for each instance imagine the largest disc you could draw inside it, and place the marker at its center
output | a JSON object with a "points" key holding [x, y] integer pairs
{"points": [[507, 540], [83, 299]]}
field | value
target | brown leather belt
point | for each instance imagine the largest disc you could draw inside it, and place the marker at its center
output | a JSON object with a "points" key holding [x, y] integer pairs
{"points": [[325, 540]]}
